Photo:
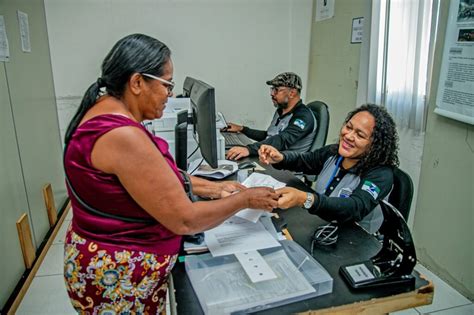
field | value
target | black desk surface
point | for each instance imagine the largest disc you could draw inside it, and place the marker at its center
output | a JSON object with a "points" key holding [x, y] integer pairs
{"points": [[354, 245]]}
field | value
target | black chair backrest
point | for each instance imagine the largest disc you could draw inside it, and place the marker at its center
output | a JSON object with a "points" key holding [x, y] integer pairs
{"points": [[402, 192], [321, 112]]}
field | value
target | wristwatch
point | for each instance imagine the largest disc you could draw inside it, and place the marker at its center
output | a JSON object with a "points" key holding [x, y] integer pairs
{"points": [[309, 201]]}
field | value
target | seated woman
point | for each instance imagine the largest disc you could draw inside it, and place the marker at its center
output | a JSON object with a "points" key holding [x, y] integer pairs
{"points": [[353, 175], [128, 197]]}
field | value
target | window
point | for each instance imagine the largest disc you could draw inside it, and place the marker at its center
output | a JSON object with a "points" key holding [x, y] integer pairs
{"points": [[395, 65]]}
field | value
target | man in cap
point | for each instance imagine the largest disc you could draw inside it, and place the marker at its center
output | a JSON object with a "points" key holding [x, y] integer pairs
{"points": [[293, 126]]}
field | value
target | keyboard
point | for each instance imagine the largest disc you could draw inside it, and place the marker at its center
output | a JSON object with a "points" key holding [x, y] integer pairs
{"points": [[235, 139]]}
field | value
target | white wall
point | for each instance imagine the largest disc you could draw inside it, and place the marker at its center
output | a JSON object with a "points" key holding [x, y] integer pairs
{"points": [[234, 45]]}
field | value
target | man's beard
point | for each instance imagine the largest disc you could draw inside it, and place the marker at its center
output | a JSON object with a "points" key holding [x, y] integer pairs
{"points": [[282, 106]]}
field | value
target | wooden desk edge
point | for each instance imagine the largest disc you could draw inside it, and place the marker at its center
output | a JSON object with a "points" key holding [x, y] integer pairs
{"points": [[287, 234], [421, 296]]}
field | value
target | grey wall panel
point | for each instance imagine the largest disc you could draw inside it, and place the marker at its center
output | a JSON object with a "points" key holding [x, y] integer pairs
{"points": [[29, 138], [12, 196], [34, 110]]}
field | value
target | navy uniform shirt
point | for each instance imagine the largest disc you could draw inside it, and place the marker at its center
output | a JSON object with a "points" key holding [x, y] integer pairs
{"points": [[294, 131], [348, 196]]}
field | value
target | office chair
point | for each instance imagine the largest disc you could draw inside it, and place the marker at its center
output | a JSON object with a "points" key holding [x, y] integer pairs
{"points": [[321, 113], [401, 195]]}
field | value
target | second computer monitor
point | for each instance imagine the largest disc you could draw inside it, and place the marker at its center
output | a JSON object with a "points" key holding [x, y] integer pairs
{"points": [[204, 119], [187, 86]]}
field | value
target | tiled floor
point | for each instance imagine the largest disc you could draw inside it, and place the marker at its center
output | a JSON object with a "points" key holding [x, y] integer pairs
{"points": [[47, 294]]}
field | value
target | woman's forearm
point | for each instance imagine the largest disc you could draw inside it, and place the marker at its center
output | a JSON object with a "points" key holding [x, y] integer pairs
{"points": [[205, 188]]}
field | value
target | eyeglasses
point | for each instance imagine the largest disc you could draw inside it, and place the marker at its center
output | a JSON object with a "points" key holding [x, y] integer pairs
{"points": [[276, 89], [168, 84]]}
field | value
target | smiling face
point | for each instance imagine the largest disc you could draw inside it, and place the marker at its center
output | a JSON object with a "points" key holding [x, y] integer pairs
{"points": [[157, 93], [356, 137]]}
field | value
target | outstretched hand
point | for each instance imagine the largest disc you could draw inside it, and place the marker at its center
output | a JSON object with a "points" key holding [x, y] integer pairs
{"points": [[263, 198], [269, 155], [290, 197]]}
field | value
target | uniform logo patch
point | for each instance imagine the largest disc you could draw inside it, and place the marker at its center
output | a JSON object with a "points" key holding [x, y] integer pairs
{"points": [[299, 123], [371, 188], [345, 193]]}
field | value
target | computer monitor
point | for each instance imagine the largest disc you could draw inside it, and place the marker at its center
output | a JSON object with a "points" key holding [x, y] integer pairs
{"points": [[187, 86], [204, 120]]}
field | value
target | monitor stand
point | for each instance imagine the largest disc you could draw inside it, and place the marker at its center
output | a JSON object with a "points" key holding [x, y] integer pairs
{"points": [[181, 139]]}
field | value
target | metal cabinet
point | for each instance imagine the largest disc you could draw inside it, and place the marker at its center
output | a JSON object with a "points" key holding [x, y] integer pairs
{"points": [[31, 152]]}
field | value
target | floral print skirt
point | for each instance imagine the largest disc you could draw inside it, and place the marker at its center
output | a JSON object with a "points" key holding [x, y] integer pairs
{"points": [[107, 279]]}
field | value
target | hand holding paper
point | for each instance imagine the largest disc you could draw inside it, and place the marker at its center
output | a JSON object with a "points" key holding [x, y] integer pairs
{"points": [[291, 197], [258, 180], [229, 187]]}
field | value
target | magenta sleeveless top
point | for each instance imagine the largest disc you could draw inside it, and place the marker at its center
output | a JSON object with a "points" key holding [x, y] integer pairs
{"points": [[105, 192]]}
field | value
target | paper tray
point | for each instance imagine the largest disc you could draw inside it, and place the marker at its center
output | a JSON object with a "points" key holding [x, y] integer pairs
{"points": [[223, 287]]}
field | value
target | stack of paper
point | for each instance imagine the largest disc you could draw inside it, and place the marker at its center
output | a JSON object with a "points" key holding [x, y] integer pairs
{"points": [[225, 168], [193, 248]]}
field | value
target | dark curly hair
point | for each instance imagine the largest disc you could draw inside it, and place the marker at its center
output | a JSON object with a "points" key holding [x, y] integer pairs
{"points": [[384, 147]]}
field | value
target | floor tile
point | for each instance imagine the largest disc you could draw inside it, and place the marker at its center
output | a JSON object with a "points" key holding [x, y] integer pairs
{"points": [[68, 216], [445, 296], [59, 239], [46, 296], [410, 311], [53, 262], [168, 309], [460, 310]]}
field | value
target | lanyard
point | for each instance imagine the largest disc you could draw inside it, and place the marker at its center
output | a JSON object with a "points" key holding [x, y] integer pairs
{"points": [[339, 160]]}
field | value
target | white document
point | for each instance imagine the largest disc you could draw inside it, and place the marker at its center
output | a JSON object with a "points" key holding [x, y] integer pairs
{"points": [[224, 168], [357, 30], [24, 31], [255, 266], [258, 180], [4, 49], [236, 235]]}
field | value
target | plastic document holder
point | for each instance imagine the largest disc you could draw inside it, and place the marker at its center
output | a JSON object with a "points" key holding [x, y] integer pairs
{"points": [[223, 287]]}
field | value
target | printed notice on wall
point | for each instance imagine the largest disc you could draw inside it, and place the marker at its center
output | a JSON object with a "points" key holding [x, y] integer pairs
{"points": [[24, 31], [324, 9], [455, 97], [4, 50], [357, 30]]}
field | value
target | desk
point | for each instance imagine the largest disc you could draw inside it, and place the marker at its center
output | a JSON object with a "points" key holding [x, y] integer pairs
{"points": [[354, 245]]}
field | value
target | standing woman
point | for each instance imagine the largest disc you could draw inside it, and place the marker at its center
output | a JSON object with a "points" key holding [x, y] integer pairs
{"points": [[353, 175], [128, 198]]}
